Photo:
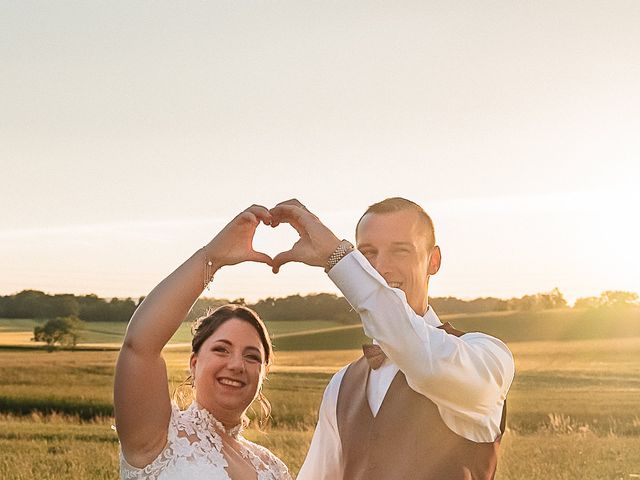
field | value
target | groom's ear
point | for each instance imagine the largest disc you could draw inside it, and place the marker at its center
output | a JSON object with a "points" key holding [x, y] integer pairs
{"points": [[435, 260]]}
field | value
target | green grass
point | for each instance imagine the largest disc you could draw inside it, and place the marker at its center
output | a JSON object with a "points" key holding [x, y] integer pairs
{"points": [[339, 338], [17, 324]]}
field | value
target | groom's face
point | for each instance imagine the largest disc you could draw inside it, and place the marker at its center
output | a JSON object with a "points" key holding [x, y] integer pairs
{"points": [[398, 246]]}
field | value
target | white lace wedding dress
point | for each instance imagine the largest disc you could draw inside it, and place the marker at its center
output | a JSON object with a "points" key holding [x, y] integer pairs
{"points": [[195, 450]]}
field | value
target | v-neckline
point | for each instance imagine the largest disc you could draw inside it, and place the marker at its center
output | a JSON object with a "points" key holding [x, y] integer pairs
{"points": [[366, 395]]}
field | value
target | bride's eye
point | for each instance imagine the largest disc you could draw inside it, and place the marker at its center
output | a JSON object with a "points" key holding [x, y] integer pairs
{"points": [[253, 358]]}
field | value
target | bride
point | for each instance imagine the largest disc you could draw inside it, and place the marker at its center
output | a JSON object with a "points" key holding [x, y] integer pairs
{"points": [[231, 352]]}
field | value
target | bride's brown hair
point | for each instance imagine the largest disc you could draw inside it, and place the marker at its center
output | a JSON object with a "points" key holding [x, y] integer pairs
{"points": [[203, 327]]}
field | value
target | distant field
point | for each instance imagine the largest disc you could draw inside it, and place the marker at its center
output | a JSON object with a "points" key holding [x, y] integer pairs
{"points": [[559, 325], [511, 327], [113, 332]]}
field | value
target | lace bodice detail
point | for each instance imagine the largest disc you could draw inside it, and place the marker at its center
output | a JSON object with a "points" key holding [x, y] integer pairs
{"points": [[194, 451]]}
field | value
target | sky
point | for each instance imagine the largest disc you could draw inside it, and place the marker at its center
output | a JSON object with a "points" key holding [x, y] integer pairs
{"points": [[131, 132]]}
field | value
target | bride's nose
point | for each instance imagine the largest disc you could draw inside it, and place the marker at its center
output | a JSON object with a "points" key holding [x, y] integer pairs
{"points": [[236, 362]]}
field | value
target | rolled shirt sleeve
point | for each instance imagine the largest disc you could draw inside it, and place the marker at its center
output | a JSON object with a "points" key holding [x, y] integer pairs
{"points": [[467, 377]]}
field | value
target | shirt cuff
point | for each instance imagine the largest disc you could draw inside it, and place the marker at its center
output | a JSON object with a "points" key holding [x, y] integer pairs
{"points": [[356, 278]]}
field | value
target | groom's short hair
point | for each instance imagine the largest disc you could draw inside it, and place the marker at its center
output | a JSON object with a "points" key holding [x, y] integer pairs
{"points": [[398, 204]]}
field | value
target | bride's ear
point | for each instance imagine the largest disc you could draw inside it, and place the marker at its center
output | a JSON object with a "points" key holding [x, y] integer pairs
{"points": [[193, 359]]}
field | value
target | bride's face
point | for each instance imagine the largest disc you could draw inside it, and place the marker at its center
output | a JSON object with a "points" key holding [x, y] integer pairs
{"points": [[228, 370]]}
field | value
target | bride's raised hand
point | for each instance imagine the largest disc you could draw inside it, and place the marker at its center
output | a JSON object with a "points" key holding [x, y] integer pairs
{"points": [[234, 243]]}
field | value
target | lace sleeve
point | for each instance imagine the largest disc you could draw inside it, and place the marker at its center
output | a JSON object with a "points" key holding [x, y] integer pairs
{"points": [[275, 468], [153, 469], [278, 468]]}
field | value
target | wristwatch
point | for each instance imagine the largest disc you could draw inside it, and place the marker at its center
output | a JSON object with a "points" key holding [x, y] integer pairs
{"points": [[343, 249]]}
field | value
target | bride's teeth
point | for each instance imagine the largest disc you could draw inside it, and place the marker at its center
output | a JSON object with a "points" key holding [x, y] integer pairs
{"points": [[233, 383]]}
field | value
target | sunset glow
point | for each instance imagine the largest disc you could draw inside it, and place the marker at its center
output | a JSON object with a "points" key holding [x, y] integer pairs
{"points": [[130, 139]]}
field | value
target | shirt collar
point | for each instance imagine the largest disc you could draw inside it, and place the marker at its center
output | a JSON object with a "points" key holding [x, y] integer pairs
{"points": [[431, 318]]}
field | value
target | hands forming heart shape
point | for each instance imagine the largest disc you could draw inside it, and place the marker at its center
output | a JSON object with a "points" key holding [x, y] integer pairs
{"points": [[234, 243]]}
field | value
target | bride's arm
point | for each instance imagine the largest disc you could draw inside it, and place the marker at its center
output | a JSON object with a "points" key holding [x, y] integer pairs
{"points": [[141, 391]]}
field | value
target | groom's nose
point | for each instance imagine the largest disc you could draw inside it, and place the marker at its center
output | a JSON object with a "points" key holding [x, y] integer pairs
{"points": [[382, 263]]}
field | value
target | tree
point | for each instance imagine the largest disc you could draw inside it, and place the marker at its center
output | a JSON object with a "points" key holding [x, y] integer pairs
{"points": [[64, 331], [121, 310], [587, 302], [552, 299], [618, 298], [609, 298]]}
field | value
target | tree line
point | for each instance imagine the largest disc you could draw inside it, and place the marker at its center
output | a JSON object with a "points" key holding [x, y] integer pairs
{"points": [[322, 306], [90, 308]]}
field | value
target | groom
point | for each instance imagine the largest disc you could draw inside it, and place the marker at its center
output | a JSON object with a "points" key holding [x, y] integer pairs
{"points": [[426, 401]]}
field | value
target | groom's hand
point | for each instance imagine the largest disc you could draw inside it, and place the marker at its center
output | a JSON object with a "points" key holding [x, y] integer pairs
{"points": [[316, 241]]}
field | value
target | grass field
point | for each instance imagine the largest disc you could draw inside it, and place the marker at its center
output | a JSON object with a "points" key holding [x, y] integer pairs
{"points": [[574, 408], [18, 331], [558, 325]]}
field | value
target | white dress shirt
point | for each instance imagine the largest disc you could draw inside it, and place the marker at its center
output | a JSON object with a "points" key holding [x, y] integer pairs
{"points": [[467, 377]]}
